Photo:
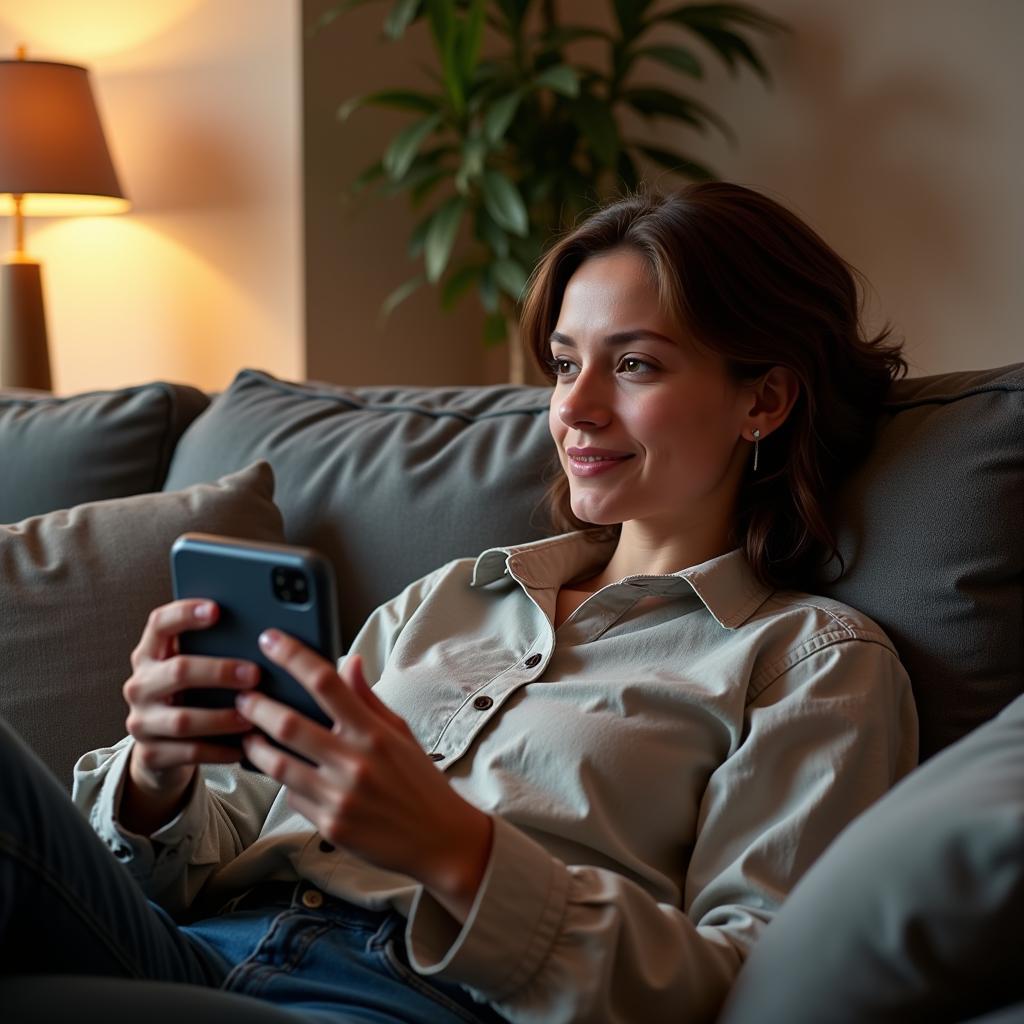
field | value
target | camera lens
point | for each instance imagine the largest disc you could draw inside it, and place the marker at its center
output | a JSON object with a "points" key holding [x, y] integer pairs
{"points": [[290, 585]]}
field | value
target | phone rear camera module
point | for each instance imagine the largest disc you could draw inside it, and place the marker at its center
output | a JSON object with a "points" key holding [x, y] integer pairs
{"points": [[290, 585]]}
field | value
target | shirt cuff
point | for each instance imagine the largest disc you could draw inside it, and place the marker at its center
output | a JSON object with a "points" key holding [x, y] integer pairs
{"points": [[511, 925], [150, 858]]}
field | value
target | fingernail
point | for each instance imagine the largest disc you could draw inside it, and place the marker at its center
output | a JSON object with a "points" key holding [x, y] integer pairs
{"points": [[243, 701], [268, 639], [246, 673], [204, 611]]}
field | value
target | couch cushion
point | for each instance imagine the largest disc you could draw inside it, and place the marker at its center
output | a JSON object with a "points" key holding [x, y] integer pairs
{"points": [[913, 914], [76, 587], [932, 529], [389, 483], [60, 452]]}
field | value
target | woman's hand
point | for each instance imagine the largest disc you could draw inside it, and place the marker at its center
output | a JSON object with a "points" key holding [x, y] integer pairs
{"points": [[169, 738], [370, 788]]}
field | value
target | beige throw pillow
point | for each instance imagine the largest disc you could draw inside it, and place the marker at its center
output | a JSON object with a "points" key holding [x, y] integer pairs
{"points": [[76, 587]]}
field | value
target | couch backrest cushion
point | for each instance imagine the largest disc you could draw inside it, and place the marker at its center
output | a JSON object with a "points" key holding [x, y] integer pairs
{"points": [[76, 587], [932, 529], [389, 483], [393, 482], [59, 452]]}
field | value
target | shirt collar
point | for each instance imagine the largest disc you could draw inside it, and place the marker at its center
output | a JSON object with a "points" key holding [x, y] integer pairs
{"points": [[725, 584]]}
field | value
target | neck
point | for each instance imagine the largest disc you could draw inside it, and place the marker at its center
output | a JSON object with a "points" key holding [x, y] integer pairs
{"points": [[643, 551]]}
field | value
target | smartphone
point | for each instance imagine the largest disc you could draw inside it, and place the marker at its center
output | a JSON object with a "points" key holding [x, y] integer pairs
{"points": [[256, 586]]}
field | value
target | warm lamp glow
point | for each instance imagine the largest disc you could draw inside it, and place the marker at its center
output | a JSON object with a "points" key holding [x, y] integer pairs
{"points": [[61, 205]]}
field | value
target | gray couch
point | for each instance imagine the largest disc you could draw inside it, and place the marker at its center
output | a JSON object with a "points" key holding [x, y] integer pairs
{"points": [[392, 482]]}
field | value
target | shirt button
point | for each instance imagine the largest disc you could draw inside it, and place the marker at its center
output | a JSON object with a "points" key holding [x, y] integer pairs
{"points": [[482, 703], [437, 757], [326, 847], [532, 660], [312, 899]]}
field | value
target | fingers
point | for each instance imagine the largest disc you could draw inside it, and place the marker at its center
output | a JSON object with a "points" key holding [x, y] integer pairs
{"points": [[289, 727], [162, 680], [162, 756], [162, 722], [166, 622], [300, 777], [317, 675]]}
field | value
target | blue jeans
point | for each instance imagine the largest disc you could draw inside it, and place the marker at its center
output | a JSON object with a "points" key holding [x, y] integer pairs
{"points": [[67, 906]]}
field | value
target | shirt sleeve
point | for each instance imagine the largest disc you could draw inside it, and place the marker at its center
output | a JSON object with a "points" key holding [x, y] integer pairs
{"points": [[556, 942], [226, 807]]}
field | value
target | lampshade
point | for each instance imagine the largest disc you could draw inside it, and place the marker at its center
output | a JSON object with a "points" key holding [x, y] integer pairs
{"points": [[52, 147]]}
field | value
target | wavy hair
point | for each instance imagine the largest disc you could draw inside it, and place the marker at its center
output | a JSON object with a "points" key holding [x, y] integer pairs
{"points": [[750, 281]]}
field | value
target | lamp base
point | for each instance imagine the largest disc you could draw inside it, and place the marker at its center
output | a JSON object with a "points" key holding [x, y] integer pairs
{"points": [[24, 354]]}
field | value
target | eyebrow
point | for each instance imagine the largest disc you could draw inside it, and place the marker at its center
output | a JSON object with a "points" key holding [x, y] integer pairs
{"points": [[618, 338]]}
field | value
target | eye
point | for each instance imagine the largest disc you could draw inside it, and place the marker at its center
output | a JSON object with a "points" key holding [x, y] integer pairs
{"points": [[631, 364], [561, 367]]}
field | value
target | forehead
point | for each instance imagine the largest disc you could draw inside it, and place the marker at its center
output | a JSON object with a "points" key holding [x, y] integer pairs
{"points": [[610, 292]]}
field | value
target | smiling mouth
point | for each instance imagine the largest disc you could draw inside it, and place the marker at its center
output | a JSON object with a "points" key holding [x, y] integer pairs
{"points": [[591, 465]]}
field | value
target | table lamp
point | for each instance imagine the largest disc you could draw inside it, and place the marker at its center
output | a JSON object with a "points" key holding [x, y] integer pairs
{"points": [[54, 162]]}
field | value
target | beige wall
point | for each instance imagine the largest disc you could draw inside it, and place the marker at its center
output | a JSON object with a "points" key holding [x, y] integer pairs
{"points": [[893, 128], [200, 102]]}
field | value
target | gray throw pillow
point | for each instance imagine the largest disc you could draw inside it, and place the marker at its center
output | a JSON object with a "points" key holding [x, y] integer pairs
{"points": [[76, 587], [913, 914], [931, 531], [61, 452], [389, 483]]}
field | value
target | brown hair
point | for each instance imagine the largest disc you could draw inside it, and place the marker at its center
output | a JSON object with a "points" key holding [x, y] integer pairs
{"points": [[749, 280]]}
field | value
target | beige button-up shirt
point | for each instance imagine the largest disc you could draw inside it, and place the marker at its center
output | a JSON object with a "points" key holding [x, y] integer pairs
{"points": [[659, 775]]}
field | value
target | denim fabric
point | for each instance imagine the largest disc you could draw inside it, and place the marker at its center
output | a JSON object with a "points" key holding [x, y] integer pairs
{"points": [[333, 962], [67, 906]]}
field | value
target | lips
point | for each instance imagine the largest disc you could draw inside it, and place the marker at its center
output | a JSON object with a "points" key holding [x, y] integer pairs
{"points": [[591, 461]]}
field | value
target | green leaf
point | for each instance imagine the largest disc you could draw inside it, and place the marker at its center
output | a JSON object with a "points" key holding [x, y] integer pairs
{"points": [[400, 18], [504, 203], [710, 22], [371, 173], [495, 330], [402, 151], [500, 115], [446, 29], [458, 281], [629, 14], [488, 290], [401, 99], [490, 234], [653, 102], [471, 37], [598, 127], [560, 78], [398, 296], [474, 152], [423, 188], [510, 277], [674, 57], [679, 164], [514, 11], [441, 236], [418, 237]]}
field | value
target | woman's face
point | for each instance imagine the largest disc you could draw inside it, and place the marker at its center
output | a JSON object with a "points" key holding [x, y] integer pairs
{"points": [[647, 428]]}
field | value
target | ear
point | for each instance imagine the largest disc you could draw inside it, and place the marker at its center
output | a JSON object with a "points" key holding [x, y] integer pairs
{"points": [[771, 398]]}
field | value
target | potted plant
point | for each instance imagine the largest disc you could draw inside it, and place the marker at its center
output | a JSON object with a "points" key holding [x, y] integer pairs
{"points": [[514, 145]]}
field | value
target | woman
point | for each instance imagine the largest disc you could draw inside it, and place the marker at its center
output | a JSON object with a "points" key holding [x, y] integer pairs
{"points": [[570, 780]]}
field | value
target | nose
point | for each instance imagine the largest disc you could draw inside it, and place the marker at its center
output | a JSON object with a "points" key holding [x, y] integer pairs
{"points": [[585, 403]]}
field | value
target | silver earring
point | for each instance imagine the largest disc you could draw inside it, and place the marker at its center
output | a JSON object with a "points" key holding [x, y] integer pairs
{"points": [[757, 442]]}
